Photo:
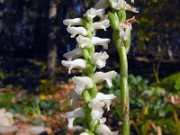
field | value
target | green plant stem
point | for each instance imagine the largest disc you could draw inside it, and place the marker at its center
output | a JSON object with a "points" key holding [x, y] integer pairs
{"points": [[124, 88]]}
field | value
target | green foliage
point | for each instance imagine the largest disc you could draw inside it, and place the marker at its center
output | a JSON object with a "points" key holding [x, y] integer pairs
{"points": [[34, 106], [171, 83], [5, 99], [149, 107], [2, 74]]}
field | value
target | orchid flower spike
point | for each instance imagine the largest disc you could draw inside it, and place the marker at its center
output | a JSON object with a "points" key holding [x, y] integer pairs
{"points": [[71, 116], [76, 30], [77, 63], [102, 129], [108, 76], [82, 83], [76, 53], [74, 22], [99, 59]]}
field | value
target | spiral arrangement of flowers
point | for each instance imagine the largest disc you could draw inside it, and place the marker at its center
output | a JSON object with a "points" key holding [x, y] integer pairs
{"points": [[86, 58]]}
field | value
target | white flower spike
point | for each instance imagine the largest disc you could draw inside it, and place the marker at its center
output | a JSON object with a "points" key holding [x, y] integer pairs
{"points": [[74, 22], [76, 53], [71, 116], [76, 30], [102, 129], [108, 76], [77, 63], [100, 25], [99, 59], [82, 83]]}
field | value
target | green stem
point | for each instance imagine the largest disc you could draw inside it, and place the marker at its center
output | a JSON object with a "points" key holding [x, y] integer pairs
{"points": [[124, 88]]}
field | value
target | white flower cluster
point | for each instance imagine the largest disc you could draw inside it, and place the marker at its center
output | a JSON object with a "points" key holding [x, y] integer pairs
{"points": [[98, 59]]}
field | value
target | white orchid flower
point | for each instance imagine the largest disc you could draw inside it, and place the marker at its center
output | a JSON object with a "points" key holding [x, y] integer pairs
{"points": [[97, 113], [76, 30], [102, 100], [117, 4], [130, 8], [99, 59], [76, 53], [82, 83], [101, 41], [70, 22], [77, 63], [108, 76], [100, 25], [74, 99], [102, 129], [102, 4], [92, 12], [125, 30], [71, 116], [84, 42]]}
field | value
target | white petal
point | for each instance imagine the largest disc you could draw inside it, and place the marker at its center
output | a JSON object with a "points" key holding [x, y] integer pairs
{"points": [[70, 22], [117, 4], [77, 113], [76, 30], [108, 76], [102, 129], [95, 103], [99, 59], [101, 41], [130, 8], [102, 4], [103, 120], [77, 63], [100, 25], [84, 42], [82, 83], [91, 13], [73, 54], [97, 113]]}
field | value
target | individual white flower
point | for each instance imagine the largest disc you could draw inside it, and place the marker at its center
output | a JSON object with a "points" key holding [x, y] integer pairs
{"points": [[71, 116], [70, 22], [77, 63], [102, 100], [82, 83], [125, 30], [117, 4], [73, 54], [97, 113], [102, 4], [76, 30], [100, 25], [74, 99], [84, 42], [108, 76], [92, 12], [102, 129], [130, 8], [99, 59], [101, 41]]}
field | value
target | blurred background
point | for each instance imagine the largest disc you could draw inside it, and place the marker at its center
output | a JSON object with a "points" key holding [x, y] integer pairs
{"points": [[35, 88]]}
